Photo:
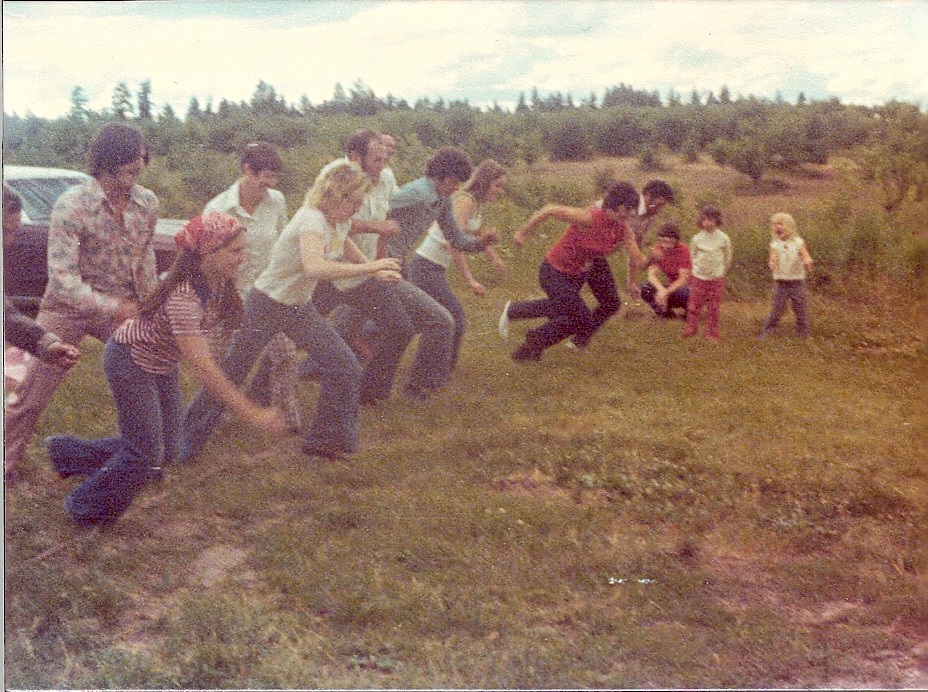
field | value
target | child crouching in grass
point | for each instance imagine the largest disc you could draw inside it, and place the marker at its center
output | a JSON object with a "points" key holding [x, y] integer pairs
{"points": [[710, 250], [789, 261]]}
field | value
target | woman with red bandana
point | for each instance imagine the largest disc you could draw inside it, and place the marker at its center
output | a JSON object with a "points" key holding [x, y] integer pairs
{"points": [[141, 363]]}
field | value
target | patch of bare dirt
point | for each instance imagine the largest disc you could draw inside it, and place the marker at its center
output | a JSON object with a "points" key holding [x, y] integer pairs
{"points": [[896, 668], [218, 562], [533, 483]]}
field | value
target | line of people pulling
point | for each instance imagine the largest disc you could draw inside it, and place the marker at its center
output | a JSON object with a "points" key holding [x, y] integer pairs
{"points": [[248, 283]]}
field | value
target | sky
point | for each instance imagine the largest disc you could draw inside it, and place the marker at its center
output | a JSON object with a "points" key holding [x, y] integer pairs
{"points": [[865, 52]]}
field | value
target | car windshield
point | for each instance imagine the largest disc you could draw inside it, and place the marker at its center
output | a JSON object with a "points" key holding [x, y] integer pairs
{"points": [[39, 194]]}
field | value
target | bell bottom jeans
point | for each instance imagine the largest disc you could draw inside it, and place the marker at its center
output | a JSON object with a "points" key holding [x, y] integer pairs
{"points": [[335, 426], [148, 409], [375, 300], [432, 278]]}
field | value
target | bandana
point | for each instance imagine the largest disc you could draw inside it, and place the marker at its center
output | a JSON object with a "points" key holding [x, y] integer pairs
{"points": [[208, 232]]}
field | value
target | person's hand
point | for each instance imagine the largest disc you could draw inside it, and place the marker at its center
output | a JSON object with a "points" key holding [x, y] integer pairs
{"points": [[386, 264], [518, 238], [388, 276], [270, 419], [388, 229], [62, 355], [477, 287], [490, 237]]}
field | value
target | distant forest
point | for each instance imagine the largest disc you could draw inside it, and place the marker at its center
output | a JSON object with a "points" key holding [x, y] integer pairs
{"points": [[752, 135]]}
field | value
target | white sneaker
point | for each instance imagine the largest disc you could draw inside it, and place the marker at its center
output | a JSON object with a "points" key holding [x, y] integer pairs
{"points": [[571, 346], [504, 322]]}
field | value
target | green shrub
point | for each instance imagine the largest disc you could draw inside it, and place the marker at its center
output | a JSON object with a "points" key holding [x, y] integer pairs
{"points": [[494, 142], [649, 159], [533, 191], [571, 141]]}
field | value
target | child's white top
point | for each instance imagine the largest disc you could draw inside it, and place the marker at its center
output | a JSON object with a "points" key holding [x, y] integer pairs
{"points": [[790, 266], [711, 254]]}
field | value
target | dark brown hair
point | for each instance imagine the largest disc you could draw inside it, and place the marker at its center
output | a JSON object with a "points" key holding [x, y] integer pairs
{"points": [[448, 162], [711, 212], [115, 145], [261, 156], [186, 267]]}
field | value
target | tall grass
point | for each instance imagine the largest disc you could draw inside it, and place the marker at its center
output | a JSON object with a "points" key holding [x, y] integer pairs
{"points": [[649, 513]]}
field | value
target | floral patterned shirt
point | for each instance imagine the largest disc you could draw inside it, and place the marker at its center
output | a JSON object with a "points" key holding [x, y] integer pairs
{"points": [[93, 261]]}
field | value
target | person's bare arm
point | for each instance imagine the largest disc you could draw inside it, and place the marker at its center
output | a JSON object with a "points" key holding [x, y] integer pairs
{"points": [[195, 351], [572, 215], [312, 252]]}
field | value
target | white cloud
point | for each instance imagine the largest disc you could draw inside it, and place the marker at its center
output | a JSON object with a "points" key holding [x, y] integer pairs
{"points": [[860, 51]]}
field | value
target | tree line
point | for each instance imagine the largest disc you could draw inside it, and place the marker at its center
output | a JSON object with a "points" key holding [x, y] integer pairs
{"points": [[752, 135]]}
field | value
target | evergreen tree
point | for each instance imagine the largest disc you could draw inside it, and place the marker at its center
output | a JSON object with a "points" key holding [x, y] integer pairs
{"points": [[122, 101], [193, 110], [144, 100], [78, 104]]}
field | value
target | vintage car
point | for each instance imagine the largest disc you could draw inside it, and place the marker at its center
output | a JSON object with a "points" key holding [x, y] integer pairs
{"points": [[25, 264]]}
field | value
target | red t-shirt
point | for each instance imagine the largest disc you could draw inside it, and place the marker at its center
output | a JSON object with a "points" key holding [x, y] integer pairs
{"points": [[581, 244], [671, 261]]}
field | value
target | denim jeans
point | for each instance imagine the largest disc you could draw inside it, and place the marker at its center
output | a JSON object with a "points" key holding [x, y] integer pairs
{"points": [[335, 426], [148, 409], [432, 278], [795, 293], [435, 326], [567, 312], [677, 299], [377, 301]]}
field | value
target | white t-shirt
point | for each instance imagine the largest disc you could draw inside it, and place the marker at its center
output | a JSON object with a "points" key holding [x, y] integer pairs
{"points": [[263, 228], [285, 279], [375, 207], [790, 266], [711, 254]]}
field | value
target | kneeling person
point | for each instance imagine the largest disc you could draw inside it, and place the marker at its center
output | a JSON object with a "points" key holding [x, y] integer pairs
{"points": [[669, 259]]}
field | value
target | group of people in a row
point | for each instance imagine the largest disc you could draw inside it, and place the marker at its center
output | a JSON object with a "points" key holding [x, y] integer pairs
{"points": [[338, 281]]}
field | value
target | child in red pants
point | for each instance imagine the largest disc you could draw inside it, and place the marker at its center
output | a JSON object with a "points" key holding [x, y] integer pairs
{"points": [[710, 249]]}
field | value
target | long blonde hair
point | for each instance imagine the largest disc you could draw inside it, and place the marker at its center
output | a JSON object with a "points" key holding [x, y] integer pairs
{"points": [[342, 181]]}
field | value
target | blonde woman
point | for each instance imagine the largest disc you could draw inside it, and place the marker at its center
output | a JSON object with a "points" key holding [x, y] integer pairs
{"points": [[789, 261], [429, 264], [313, 247]]}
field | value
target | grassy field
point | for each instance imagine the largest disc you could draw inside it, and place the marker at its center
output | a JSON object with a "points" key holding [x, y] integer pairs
{"points": [[648, 513]]}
